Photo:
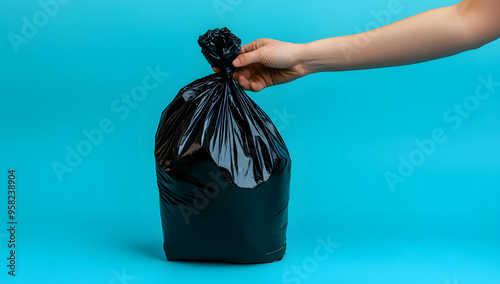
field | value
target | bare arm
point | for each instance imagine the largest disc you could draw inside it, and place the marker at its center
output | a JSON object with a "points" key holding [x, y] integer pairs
{"points": [[433, 34]]}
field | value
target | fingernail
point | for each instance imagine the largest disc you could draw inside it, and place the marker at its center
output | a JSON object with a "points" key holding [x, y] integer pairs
{"points": [[236, 62]]}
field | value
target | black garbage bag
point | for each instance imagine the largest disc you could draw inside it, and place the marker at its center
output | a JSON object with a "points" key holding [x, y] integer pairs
{"points": [[223, 169]]}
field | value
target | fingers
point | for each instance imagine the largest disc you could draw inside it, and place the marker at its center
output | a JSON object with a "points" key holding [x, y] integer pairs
{"points": [[247, 58], [249, 81], [256, 86], [244, 83], [216, 69], [250, 85], [245, 72], [250, 53]]}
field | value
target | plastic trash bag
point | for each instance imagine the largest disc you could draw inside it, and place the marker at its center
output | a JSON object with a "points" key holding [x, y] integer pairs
{"points": [[223, 169]]}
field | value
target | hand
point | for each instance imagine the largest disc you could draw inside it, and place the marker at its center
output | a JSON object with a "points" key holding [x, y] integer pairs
{"points": [[267, 62]]}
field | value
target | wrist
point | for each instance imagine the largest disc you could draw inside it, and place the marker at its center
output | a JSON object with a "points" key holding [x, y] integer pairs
{"points": [[310, 57], [323, 55], [304, 58]]}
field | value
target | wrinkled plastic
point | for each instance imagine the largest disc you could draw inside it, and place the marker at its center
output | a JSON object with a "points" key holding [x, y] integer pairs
{"points": [[223, 169]]}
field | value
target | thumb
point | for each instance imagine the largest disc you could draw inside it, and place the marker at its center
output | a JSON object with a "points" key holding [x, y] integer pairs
{"points": [[247, 58]]}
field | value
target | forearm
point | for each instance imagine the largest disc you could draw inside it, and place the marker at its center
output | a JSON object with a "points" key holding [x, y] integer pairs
{"points": [[433, 34]]}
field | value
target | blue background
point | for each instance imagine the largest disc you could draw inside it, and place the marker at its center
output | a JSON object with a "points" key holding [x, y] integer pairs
{"points": [[100, 223]]}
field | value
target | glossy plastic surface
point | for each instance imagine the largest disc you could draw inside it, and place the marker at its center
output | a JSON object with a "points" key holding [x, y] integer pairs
{"points": [[223, 169]]}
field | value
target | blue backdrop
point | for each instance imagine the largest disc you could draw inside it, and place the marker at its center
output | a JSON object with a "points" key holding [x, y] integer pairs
{"points": [[395, 175]]}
